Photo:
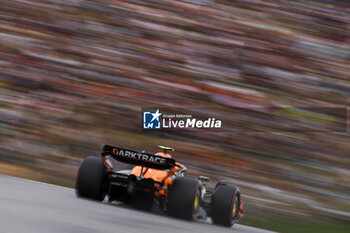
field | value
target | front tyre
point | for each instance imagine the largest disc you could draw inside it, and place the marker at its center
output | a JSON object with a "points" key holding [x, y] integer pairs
{"points": [[184, 198], [90, 179], [225, 205]]}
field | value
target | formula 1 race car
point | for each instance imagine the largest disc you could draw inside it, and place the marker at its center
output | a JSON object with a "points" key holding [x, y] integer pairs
{"points": [[157, 181]]}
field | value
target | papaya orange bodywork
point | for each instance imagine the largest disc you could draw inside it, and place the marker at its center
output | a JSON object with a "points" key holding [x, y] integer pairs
{"points": [[150, 173], [160, 176]]}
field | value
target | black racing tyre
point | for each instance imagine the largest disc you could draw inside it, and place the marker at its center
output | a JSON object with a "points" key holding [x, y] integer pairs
{"points": [[225, 205], [183, 200], [90, 179]]}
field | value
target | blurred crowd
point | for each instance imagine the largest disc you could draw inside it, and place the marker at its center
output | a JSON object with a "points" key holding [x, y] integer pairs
{"points": [[74, 75]]}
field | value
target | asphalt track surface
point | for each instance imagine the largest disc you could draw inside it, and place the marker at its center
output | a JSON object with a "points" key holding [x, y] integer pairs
{"points": [[28, 206]]}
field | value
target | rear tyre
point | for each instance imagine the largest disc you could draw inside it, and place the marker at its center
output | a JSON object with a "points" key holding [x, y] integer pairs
{"points": [[90, 179], [225, 205], [184, 197]]}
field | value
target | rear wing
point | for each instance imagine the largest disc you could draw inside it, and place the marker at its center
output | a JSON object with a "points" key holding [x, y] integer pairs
{"points": [[137, 158]]}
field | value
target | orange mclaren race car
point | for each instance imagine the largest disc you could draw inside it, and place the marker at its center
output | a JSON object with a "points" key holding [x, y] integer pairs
{"points": [[157, 181]]}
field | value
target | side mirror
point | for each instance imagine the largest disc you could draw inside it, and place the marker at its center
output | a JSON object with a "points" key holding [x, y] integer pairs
{"points": [[203, 179]]}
